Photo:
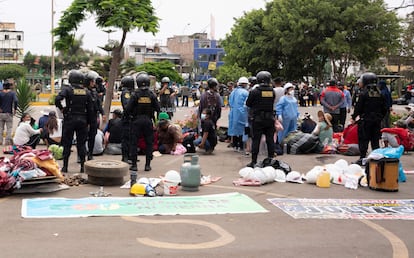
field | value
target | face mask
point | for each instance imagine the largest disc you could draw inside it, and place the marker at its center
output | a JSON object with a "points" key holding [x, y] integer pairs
{"points": [[203, 116], [291, 93], [27, 122]]}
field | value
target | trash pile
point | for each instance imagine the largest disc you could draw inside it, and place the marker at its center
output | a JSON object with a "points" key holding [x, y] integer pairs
{"points": [[27, 167]]}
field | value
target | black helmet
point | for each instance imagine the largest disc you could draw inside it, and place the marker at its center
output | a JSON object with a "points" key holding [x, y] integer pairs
{"points": [[369, 79], [76, 77], [90, 76], [253, 80], [99, 80], [143, 80], [263, 77], [212, 82], [127, 82]]}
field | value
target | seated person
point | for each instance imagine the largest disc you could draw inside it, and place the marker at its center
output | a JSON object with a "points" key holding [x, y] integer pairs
{"points": [[98, 148], [53, 130], [208, 138], [324, 128], [168, 136], [25, 134], [307, 125], [113, 134]]}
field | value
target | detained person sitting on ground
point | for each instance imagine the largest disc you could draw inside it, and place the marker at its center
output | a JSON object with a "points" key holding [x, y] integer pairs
{"points": [[168, 134], [324, 128], [307, 125], [113, 134], [53, 130], [25, 134], [98, 147], [208, 138]]}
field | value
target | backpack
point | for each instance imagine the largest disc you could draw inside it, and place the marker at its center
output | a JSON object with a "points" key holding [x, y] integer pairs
{"points": [[211, 101], [302, 143], [188, 142]]}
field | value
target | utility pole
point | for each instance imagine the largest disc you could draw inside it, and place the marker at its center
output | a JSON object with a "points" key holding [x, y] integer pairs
{"points": [[52, 64]]}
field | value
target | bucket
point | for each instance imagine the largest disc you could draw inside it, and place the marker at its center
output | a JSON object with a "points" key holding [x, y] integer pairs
{"points": [[170, 188]]}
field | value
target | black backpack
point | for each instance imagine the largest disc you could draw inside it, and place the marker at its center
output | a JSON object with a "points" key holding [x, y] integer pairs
{"points": [[188, 142]]}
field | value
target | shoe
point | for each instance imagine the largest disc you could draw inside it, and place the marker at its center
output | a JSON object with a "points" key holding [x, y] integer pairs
{"points": [[230, 145], [147, 168], [133, 167], [78, 160], [251, 164], [359, 162], [210, 151], [247, 154], [82, 169], [236, 149], [90, 157], [64, 170]]}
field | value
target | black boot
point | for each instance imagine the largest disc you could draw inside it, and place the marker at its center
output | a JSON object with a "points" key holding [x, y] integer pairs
{"points": [[82, 168], [125, 158], [90, 156], [133, 166], [65, 165], [148, 164]]}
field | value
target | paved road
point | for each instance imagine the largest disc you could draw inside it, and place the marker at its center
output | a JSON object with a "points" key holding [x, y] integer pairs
{"points": [[272, 234]]}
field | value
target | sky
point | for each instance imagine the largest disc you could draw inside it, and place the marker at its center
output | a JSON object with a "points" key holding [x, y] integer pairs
{"points": [[178, 17]]}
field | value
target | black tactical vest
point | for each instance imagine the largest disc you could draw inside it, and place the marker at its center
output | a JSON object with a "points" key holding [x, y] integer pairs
{"points": [[78, 101], [144, 103]]}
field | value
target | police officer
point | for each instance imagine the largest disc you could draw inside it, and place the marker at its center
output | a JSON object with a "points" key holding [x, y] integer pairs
{"points": [[100, 88], [142, 105], [127, 86], [77, 115], [260, 101], [166, 101], [370, 109], [89, 83]]}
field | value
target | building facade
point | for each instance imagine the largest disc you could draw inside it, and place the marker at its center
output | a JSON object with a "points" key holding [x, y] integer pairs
{"points": [[156, 53], [11, 44]]}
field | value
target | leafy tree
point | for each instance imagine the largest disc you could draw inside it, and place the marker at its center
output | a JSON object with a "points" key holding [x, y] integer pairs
{"points": [[123, 15], [128, 66], [295, 38], [12, 71], [74, 57], [160, 70], [102, 65], [232, 72]]}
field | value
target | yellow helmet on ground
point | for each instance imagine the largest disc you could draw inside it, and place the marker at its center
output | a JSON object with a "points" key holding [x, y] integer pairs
{"points": [[137, 189]]}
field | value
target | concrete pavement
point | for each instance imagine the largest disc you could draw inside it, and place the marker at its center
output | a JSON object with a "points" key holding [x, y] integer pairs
{"points": [[272, 234]]}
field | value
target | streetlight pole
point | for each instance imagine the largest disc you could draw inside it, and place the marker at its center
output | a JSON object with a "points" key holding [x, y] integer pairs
{"points": [[52, 65]]}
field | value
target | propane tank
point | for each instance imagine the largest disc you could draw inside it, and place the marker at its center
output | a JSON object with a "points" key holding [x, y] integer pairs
{"points": [[190, 173]]}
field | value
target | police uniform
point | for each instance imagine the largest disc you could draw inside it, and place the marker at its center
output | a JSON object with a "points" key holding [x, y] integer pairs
{"points": [[77, 115], [166, 102], [260, 101], [93, 127], [126, 121], [371, 109], [141, 106]]}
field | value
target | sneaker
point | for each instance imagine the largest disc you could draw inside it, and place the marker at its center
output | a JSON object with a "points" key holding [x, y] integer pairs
{"points": [[210, 151], [236, 149], [247, 154]]}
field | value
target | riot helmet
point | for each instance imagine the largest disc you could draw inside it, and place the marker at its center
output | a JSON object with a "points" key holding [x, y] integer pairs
{"points": [[76, 77], [263, 77], [165, 80], [369, 79], [127, 82], [90, 76], [99, 80], [143, 80], [253, 80], [212, 83]]}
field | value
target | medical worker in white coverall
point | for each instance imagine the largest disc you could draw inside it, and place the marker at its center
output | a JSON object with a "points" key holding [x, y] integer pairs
{"points": [[287, 112]]}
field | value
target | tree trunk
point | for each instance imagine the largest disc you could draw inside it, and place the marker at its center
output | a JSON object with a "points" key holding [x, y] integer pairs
{"points": [[113, 74]]}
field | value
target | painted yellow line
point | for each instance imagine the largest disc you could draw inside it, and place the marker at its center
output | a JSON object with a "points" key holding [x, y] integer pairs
{"points": [[399, 249], [224, 239]]}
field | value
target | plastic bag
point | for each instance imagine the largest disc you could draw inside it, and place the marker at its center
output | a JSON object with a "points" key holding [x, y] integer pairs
{"points": [[396, 153]]}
